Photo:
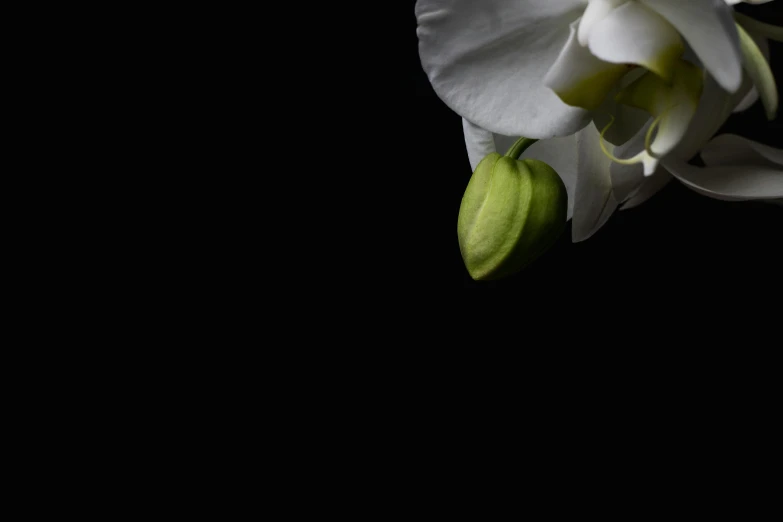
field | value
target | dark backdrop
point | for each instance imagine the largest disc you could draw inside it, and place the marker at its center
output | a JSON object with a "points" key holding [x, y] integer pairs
{"points": [[676, 243]]}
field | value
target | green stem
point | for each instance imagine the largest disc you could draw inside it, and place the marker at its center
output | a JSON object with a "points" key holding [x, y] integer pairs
{"points": [[519, 147]]}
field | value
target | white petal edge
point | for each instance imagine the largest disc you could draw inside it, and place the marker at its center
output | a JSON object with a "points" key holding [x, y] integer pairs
{"points": [[730, 150], [729, 183]]}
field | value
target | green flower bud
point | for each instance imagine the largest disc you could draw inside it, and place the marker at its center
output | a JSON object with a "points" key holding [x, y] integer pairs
{"points": [[512, 212]]}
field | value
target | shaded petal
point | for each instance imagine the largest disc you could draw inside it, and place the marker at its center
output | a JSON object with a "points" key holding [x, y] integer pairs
{"points": [[709, 28], [714, 108], [486, 61], [632, 33], [579, 78], [651, 186], [748, 101], [753, 94], [730, 183], [593, 202], [626, 179], [478, 141], [627, 120], [755, 64], [731, 150]]}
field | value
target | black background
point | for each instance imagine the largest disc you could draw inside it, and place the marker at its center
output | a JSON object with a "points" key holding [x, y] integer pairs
{"points": [[676, 243]]}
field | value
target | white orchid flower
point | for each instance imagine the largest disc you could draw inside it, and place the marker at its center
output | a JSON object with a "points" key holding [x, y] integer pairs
{"points": [[544, 69]]}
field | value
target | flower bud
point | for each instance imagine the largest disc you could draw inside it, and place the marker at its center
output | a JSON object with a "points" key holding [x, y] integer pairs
{"points": [[511, 212]]}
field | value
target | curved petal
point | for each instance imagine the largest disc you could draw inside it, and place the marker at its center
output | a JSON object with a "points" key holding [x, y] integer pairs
{"points": [[757, 67], [753, 94], [594, 202], [579, 78], [730, 183], [486, 61], [558, 153], [595, 12], [709, 28], [632, 33], [730, 150], [650, 187]]}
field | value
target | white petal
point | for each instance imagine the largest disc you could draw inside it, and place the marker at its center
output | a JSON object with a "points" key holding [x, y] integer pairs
{"points": [[729, 183], [732, 150], [579, 78], [478, 141], [651, 186], [558, 153], [708, 26], [632, 33], [487, 59], [594, 202]]}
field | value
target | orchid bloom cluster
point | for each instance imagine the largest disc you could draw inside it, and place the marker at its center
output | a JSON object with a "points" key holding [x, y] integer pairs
{"points": [[613, 97]]}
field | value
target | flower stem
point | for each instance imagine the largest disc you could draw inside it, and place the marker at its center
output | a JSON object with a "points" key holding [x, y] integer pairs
{"points": [[519, 147]]}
